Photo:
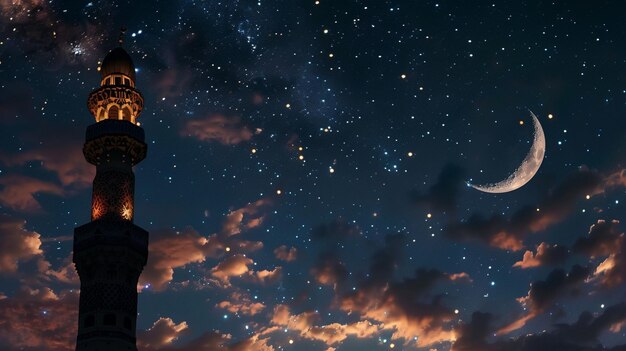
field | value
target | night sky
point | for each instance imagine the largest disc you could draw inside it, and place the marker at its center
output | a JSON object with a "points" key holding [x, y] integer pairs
{"points": [[306, 185]]}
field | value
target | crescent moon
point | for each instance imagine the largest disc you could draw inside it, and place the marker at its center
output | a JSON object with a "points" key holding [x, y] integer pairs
{"points": [[525, 172]]}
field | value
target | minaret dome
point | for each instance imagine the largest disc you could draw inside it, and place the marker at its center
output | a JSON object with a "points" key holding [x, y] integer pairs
{"points": [[117, 98], [118, 62]]}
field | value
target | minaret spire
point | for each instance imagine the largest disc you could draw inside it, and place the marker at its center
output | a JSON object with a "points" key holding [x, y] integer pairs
{"points": [[120, 39], [110, 251]]}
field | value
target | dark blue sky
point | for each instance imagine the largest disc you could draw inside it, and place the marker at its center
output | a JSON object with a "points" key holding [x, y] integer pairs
{"points": [[305, 185]]}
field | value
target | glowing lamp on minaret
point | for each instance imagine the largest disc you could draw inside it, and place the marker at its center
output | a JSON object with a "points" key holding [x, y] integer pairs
{"points": [[110, 251]]}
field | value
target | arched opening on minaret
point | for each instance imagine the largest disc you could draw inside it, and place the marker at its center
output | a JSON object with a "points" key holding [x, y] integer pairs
{"points": [[126, 114], [114, 112], [100, 115]]}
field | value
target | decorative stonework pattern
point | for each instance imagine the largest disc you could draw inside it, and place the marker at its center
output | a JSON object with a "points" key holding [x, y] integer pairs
{"points": [[108, 296], [120, 96], [113, 195], [96, 150]]}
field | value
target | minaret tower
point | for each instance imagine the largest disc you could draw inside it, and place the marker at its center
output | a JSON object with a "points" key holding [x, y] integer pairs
{"points": [[110, 251]]}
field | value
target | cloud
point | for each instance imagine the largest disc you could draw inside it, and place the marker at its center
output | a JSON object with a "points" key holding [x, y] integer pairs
{"points": [[170, 250], [217, 127], [174, 81], [442, 196], [616, 179], [18, 192], [219, 341], [472, 336], [546, 255], [329, 270], [330, 334], [612, 271], [37, 319], [232, 266], [244, 218], [582, 335], [406, 307], [240, 303], [65, 274], [17, 244], [237, 266], [161, 334], [265, 276], [509, 233], [604, 237], [64, 159], [286, 254], [544, 293]]}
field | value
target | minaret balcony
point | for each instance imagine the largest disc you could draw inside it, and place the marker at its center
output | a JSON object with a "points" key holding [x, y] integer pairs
{"points": [[115, 102]]}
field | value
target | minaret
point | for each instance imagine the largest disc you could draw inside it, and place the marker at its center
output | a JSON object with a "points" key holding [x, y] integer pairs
{"points": [[110, 251]]}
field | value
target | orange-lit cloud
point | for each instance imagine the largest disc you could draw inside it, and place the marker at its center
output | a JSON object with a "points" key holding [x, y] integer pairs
{"points": [[170, 250], [174, 81], [161, 334], [164, 334], [18, 192], [237, 266], [66, 160], [17, 243], [217, 127], [266, 276], [174, 250], [285, 253], [241, 303], [65, 274], [605, 239], [583, 334], [247, 217], [616, 179], [329, 270], [38, 319], [232, 266], [331, 334], [546, 254], [407, 308], [509, 233], [428, 321], [543, 294], [612, 271]]}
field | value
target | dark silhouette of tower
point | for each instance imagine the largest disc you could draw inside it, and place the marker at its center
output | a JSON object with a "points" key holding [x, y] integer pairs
{"points": [[110, 251]]}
